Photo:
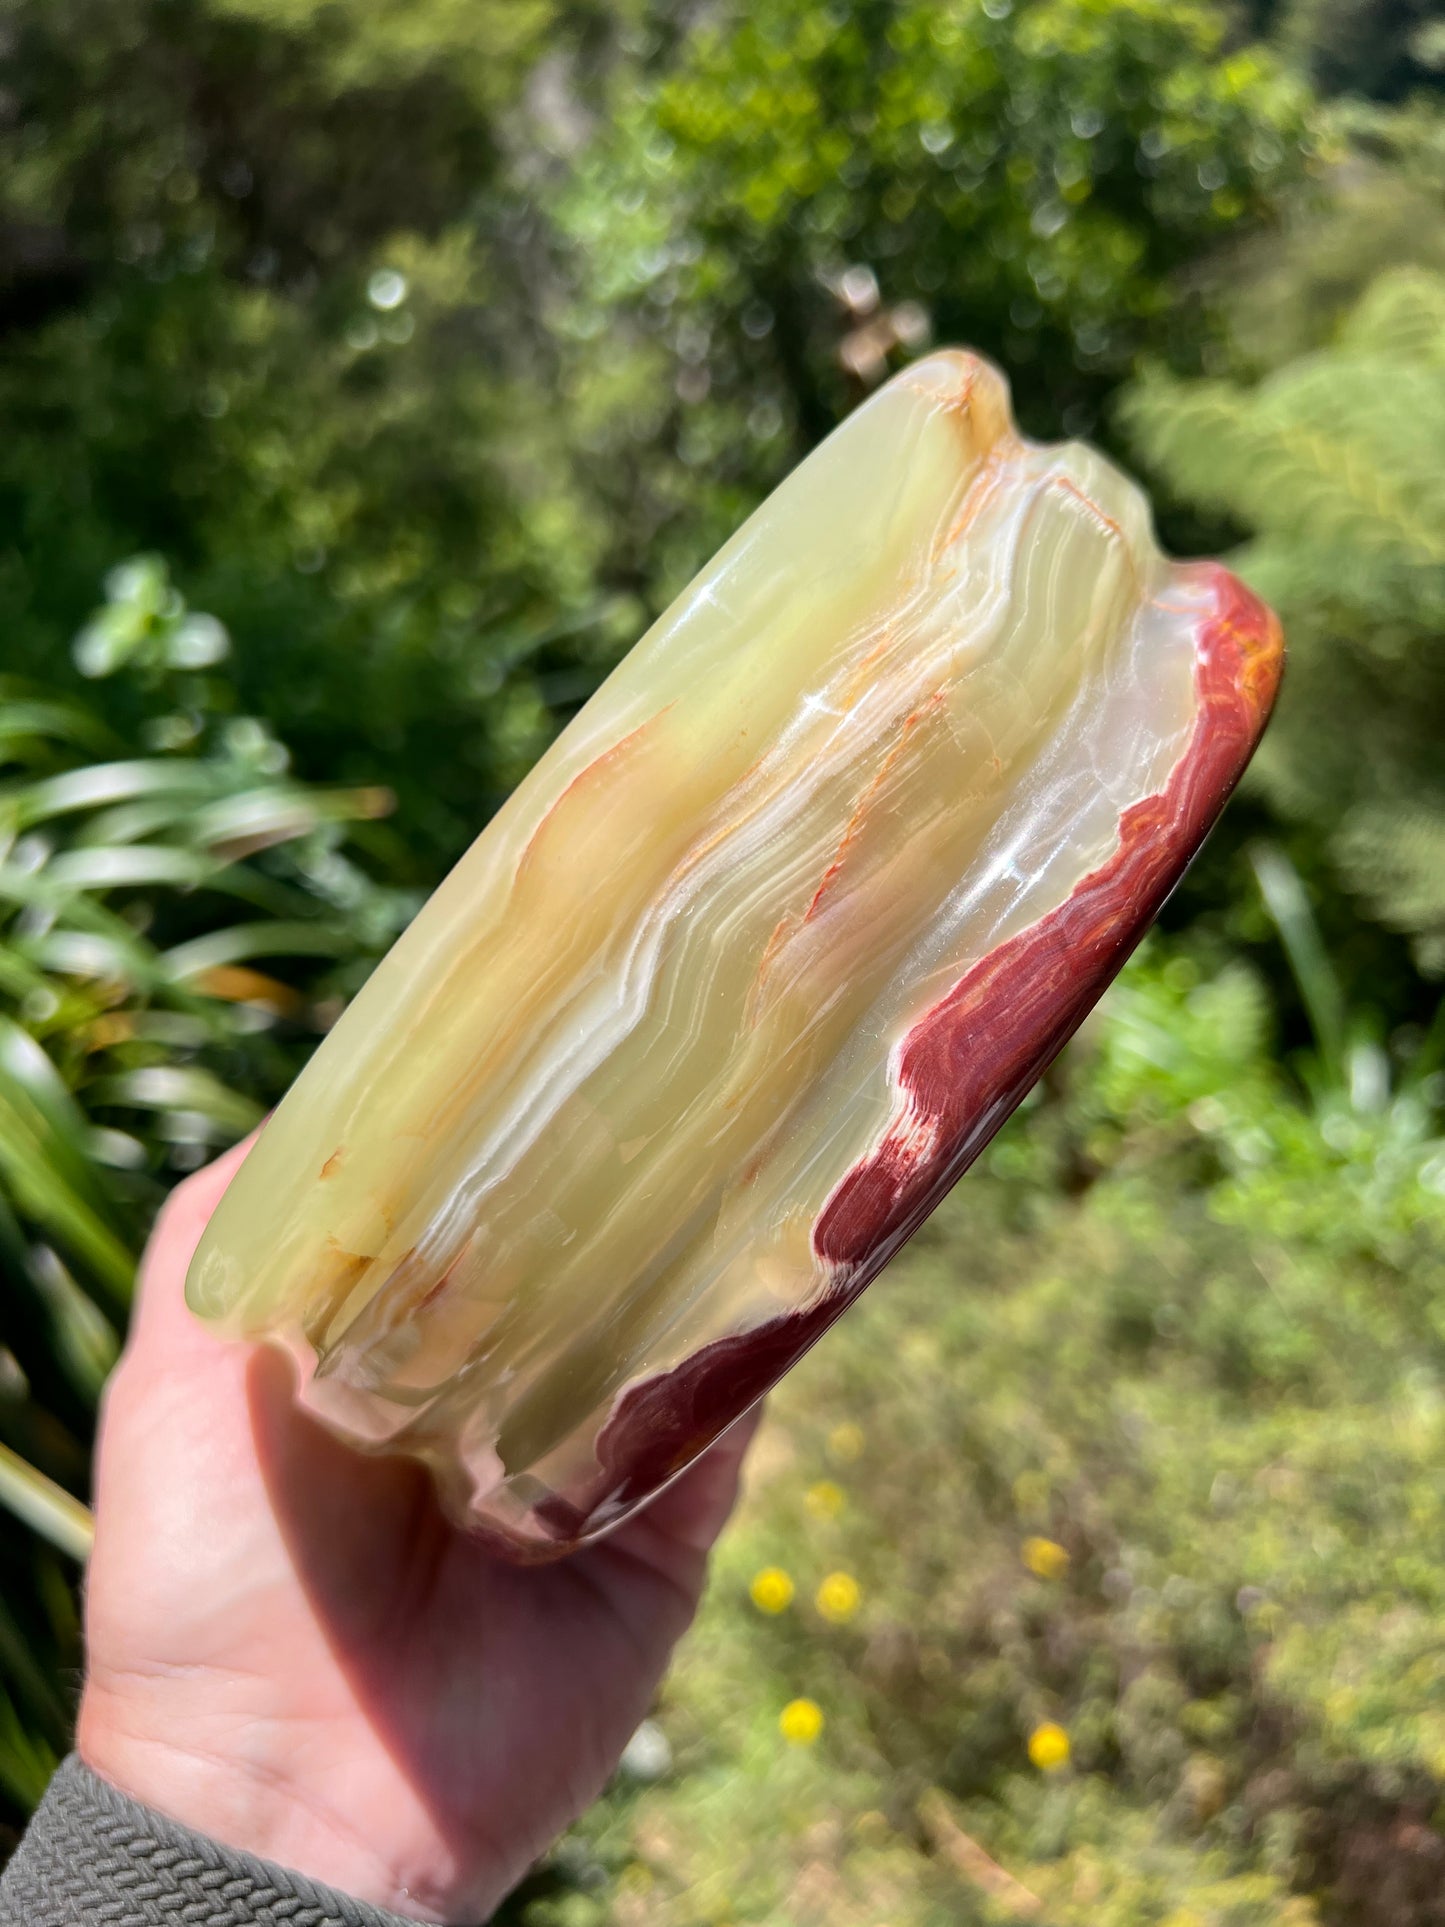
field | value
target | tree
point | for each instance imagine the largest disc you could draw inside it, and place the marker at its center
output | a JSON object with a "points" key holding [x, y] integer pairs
{"points": [[268, 306], [391, 327], [1025, 179]]}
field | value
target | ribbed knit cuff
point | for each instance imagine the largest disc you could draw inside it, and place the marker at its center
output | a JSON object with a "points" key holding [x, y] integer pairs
{"points": [[94, 1856]]}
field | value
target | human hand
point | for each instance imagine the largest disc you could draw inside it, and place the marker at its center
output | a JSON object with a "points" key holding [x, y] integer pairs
{"points": [[292, 1650]]}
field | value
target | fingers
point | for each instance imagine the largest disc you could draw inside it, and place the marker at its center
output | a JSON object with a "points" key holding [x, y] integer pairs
{"points": [[694, 1510], [160, 1302], [176, 1381]]}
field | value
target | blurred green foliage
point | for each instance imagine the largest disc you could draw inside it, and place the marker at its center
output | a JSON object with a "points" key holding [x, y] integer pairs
{"points": [[1332, 457], [271, 293], [1383, 49], [178, 917], [432, 346], [437, 346], [1024, 180], [1153, 1412]]}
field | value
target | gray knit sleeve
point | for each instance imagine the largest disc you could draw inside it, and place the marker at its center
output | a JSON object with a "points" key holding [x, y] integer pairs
{"points": [[93, 1857]]}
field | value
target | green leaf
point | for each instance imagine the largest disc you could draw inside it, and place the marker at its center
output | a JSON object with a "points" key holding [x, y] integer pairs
{"points": [[246, 940], [124, 866], [35, 1087], [47, 1508], [86, 1342], [44, 1160], [90, 954], [259, 819], [1289, 909], [197, 642], [26, 723], [179, 1087], [105, 783]]}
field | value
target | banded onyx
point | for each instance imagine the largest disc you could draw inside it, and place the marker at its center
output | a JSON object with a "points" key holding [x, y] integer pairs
{"points": [[750, 968]]}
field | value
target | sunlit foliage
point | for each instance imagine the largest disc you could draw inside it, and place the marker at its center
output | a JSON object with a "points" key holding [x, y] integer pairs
{"points": [[1332, 460]]}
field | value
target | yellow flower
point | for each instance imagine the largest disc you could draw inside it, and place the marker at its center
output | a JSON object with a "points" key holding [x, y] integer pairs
{"points": [[824, 1500], [800, 1722], [1046, 1558], [1049, 1747], [772, 1590], [845, 1442], [838, 1596]]}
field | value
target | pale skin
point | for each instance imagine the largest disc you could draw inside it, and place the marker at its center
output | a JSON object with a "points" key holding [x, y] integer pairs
{"points": [[291, 1650]]}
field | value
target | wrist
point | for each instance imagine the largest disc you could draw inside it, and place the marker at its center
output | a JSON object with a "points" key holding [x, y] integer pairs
{"points": [[262, 1790]]}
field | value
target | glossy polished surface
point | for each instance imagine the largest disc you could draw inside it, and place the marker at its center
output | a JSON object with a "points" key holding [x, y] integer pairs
{"points": [[750, 967]]}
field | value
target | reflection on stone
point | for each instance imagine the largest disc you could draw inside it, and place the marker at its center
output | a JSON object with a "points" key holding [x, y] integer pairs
{"points": [[751, 966]]}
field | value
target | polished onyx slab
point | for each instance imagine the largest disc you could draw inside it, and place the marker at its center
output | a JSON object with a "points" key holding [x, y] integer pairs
{"points": [[750, 967]]}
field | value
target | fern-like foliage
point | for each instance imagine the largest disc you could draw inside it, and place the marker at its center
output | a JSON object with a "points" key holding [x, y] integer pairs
{"points": [[1335, 462]]}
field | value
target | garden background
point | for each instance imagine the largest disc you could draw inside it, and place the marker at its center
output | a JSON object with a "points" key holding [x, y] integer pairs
{"points": [[370, 375]]}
